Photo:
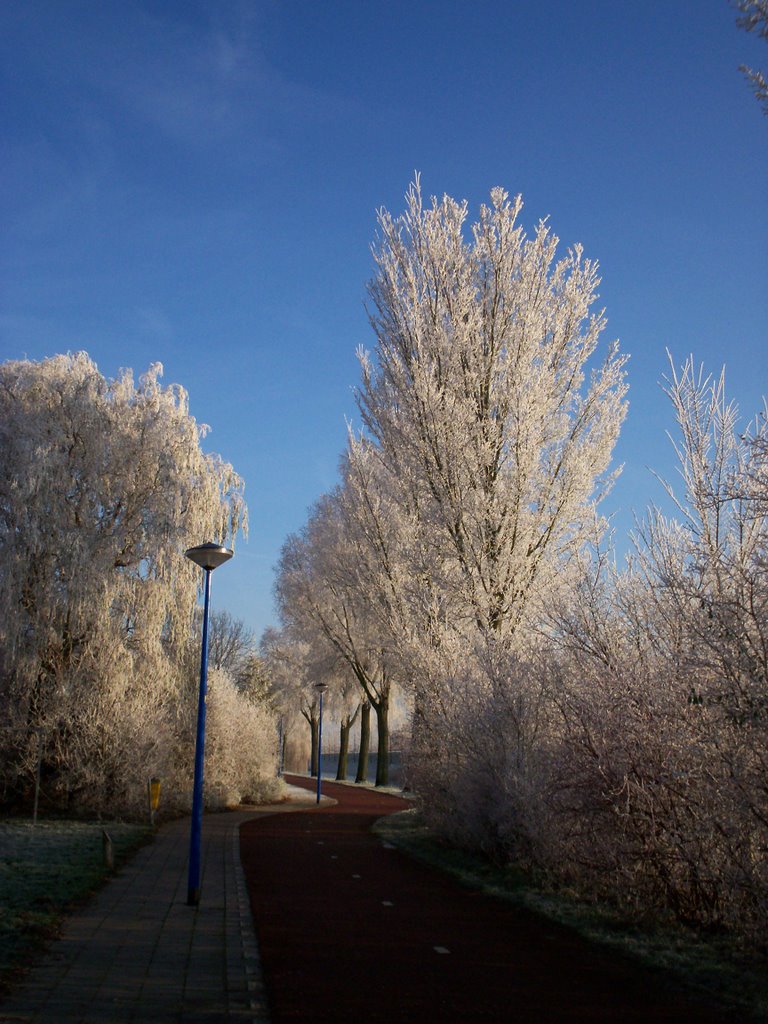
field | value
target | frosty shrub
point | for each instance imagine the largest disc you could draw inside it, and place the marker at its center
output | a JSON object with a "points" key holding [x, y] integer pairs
{"points": [[482, 761], [661, 673], [241, 747]]}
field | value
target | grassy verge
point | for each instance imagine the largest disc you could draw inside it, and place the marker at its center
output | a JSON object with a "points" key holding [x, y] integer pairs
{"points": [[44, 872], [733, 977]]}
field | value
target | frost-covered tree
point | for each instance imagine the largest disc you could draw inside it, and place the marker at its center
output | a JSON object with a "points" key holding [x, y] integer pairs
{"points": [[103, 484], [491, 423], [712, 559], [291, 668], [754, 18], [319, 593], [476, 398], [230, 643], [255, 682]]}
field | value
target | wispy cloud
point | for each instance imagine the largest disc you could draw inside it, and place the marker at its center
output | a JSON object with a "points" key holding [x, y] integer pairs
{"points": [[212, 83], [155, 324]]}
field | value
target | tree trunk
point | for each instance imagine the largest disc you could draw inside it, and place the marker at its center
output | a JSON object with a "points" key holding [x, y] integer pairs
{"points": [[344, 731], [365, 742], [313, 724], [280, 746], [346, 728], [382, 759]]}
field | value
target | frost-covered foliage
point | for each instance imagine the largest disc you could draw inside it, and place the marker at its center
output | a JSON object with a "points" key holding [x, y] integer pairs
{"points": [[103, 486], [486, 450], [632, 760], [754, 18], [241, 746], [293, 669], [607, 726], [477, 405], [323, 599]]}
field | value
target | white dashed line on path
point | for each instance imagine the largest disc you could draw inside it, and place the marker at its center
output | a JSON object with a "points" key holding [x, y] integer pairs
{"points": [[441, 949]]}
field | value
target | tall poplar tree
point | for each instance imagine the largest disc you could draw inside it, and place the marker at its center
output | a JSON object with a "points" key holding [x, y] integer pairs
{"points": [[490, 427]]}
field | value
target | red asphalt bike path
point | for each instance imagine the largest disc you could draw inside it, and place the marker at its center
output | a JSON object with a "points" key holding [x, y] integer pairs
{"points": [[351, 929]]}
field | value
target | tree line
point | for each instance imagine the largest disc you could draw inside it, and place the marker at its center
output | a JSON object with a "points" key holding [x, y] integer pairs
{"points": [[602, 724]]}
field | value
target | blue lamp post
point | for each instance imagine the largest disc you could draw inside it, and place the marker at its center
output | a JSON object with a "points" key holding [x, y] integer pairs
{"points": [[208, 557], [321, 688]]}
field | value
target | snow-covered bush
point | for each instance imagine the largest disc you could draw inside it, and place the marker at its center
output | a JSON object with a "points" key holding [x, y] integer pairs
{"points": [[241, 747]]}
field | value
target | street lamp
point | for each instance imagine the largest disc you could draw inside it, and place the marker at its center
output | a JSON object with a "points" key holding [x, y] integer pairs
{"points": [[321, 688], [208, 557]]}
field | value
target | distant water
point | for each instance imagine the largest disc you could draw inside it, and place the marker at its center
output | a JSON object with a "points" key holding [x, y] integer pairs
{"points": [[330, 763]]}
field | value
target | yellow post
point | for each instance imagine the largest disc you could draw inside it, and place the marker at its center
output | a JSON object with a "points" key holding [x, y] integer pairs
{"points": [[153, 789]]}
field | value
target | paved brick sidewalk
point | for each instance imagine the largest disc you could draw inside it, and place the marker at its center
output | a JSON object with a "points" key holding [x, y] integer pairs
{"points": [[137, 953]]}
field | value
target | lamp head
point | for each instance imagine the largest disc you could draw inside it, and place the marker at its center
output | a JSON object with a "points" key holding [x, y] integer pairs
{"points": [[209, 556]]}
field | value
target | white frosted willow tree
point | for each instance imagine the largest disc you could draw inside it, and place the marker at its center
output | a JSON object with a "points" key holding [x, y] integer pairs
{"points": [[103, 484], [491, 423]]}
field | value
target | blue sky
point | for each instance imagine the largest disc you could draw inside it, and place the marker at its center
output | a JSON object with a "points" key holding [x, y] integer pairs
{"points": [[197, 183]]}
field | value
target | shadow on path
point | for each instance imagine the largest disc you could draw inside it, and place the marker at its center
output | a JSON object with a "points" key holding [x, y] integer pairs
{"points": [[350, 929]]}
